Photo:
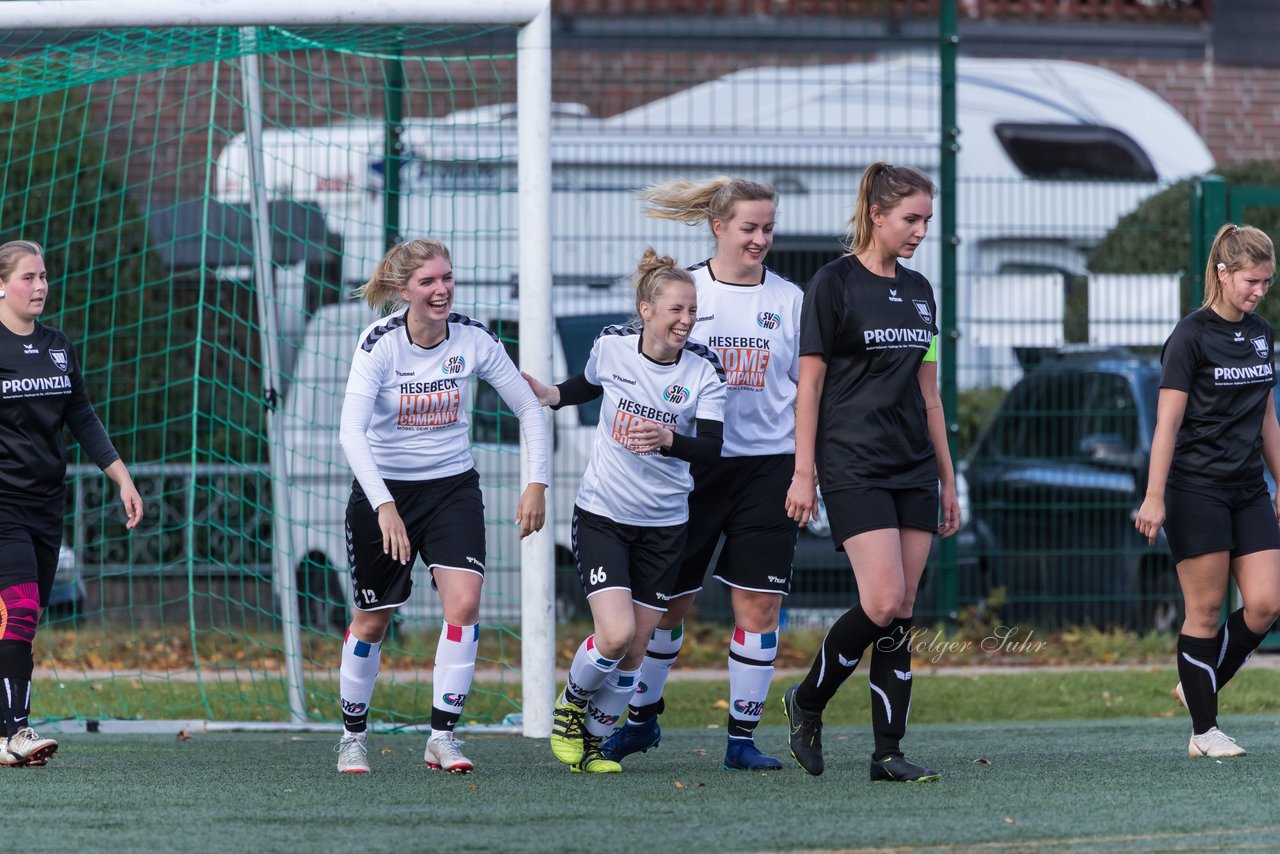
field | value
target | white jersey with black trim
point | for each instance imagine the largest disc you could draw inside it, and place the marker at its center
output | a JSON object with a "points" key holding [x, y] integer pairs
{"points": [[648, 489], [419, 429], [755, 330]]}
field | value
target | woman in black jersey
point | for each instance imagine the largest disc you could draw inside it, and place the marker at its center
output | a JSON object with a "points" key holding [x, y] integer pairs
{"points": [[870, 430], [41, 389], [1205, 486]]}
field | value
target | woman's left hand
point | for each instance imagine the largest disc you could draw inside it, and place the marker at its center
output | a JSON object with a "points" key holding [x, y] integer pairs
{"points": [[950, 511], [531, 515], [132, 502], [645, 437]]}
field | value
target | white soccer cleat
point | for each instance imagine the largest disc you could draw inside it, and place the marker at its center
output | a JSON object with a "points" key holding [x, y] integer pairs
{"points": [[353, 753], [31, 748], [1213, 744], [1179, 696], [7, 759], [442, 754]]}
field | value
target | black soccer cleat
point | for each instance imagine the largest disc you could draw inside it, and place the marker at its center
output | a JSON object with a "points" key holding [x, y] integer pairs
{"points": [[899, 769], [804, 733]]}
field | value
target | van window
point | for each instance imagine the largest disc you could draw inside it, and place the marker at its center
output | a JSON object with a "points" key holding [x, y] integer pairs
{"points": [[577, 334], [492, 423], [1069, 152]]}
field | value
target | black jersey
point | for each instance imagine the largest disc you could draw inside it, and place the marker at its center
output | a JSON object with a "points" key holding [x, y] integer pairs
{"points": [[1227, 372], [41, 389], [873, 333]]}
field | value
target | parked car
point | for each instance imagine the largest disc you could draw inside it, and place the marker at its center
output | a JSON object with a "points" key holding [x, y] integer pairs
{"points": [[67, 599], [1055, 482]]}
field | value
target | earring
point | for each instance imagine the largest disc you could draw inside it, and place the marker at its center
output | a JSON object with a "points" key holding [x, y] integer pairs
{"points": [[1, 293]]}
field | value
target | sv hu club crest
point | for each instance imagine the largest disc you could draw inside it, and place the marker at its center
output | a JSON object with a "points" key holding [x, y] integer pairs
{"points": [[676, 394]]}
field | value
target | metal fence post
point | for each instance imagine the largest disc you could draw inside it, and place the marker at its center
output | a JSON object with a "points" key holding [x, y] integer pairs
{"points": [[949, 145]]}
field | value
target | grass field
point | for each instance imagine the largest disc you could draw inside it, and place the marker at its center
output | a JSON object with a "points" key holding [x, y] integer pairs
{"points": [[1048, 694], [1016, 778], [1121, 784]]}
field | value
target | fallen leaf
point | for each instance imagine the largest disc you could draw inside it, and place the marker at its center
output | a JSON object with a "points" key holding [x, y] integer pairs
{"points": [[183, 735], [1008, 820], [679, 785], [702, 751], [473, 788], [721, 704], [982, 761], [1164, 714], [386, 751]]}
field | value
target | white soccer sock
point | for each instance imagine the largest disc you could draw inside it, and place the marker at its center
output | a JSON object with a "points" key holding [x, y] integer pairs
{"points": [[751, 658], [659, 656], [356, 675], [587, 672], [451, 678], [610, 701]]}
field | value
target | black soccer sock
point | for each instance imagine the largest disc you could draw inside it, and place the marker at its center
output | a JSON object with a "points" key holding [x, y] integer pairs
{"points": [[841, 649], [1196, 657], [1237, 643], [891, 687], [642, 714], [16, 666]]}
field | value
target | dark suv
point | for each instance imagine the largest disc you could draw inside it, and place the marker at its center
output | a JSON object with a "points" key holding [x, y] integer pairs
{"points": [[1054, 484]]}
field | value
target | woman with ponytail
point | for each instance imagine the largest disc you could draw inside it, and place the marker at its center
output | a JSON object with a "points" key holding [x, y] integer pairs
{"points": [[870, 430], [1215, 426], [750, 317], [416, 490], [41, 389], [663, 409]]}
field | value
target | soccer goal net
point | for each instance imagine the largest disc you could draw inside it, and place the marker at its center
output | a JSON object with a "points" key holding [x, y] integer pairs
{"points": [[208, 198]]}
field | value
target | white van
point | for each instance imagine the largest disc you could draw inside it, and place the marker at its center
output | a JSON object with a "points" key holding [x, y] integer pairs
{"points": [[1052, 154], [320, 479]]}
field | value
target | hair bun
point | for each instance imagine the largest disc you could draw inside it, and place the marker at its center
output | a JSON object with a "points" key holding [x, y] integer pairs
{"points": [[652, 262]]}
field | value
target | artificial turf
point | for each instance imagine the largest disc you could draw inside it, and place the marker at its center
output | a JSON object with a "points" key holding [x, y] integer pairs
{"points": [[1121, 784]]}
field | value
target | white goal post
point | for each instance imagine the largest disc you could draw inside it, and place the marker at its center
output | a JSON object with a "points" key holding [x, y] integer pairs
{"points": [[533, 69]]}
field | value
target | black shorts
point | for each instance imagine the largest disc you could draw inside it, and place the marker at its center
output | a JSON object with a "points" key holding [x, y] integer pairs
{"points": [[745, 498], [444, 519], [1201, 520], [30, 537], [614, 556], [860, 509]]}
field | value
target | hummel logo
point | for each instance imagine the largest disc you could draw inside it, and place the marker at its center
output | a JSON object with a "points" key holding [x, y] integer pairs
{"points": [[708, 317], [624, 380], [406, 373], [893, 295], [472, 560]]}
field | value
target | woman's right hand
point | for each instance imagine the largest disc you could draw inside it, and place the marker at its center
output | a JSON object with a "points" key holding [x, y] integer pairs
{"points": [[802, 498], [548, 395], [1150, 518], [395, 539]]}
